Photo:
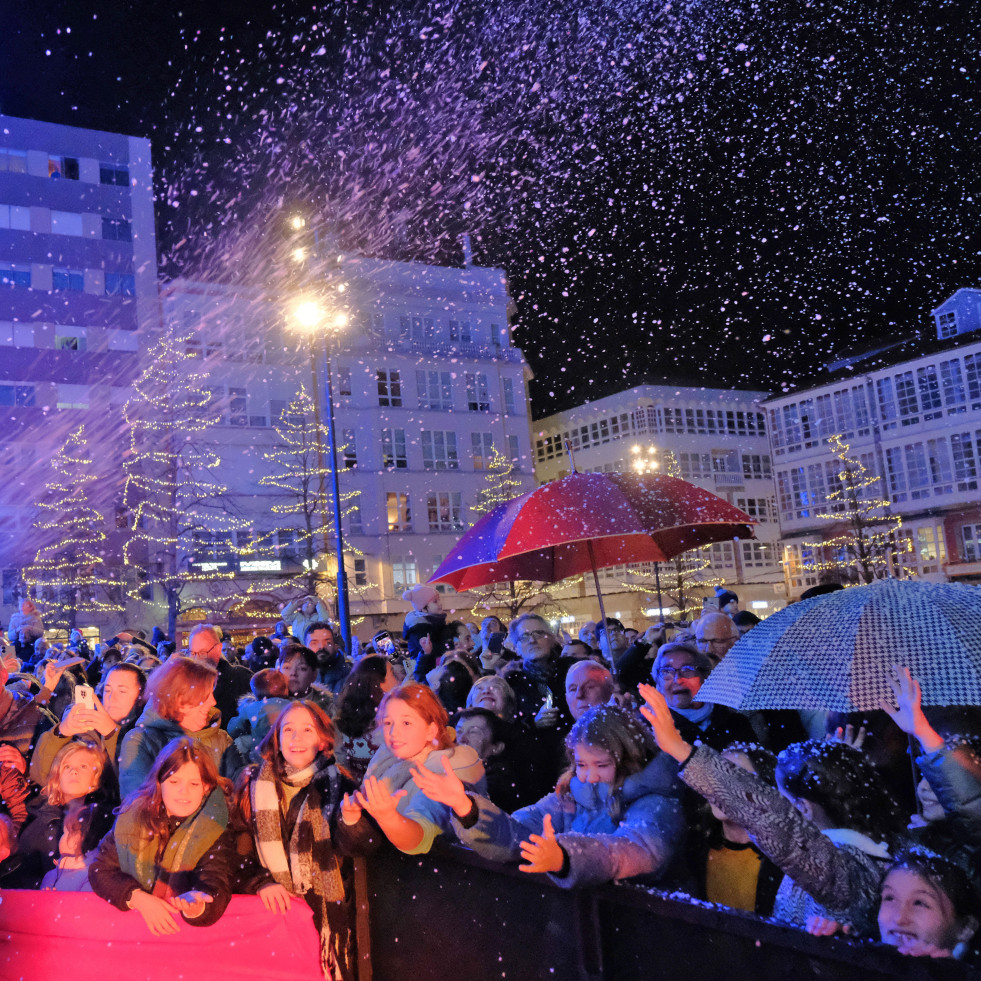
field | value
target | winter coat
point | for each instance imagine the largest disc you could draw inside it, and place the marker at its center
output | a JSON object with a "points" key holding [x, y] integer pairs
{"points": [[255, 718], [835, 873], [599, 847], [418, 625], [23, 719], [355, 753], [533, 682], [30, 623], [333, 675], [212, 875], [152, 732], [233, 682], [434, 818], [298, 621], [14, 791], [725, 726], [955, 777]]}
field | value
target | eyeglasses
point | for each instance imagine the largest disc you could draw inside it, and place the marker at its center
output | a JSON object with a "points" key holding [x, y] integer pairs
{"points": [[714, 641], [669, 674], [531, 635]]}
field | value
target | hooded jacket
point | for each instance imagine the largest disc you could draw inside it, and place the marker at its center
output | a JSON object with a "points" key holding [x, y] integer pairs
{"points": [[434, 818], [255, 718], [603, 839], [152, 732]]}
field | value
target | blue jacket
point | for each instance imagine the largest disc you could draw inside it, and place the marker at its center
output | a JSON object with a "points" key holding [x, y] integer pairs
{"points": [[642, 841]]}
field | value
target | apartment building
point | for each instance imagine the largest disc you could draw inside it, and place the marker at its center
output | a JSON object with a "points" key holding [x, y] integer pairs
{"points": [[78, 290], [718, 438], [426, 384], [910, 410]]}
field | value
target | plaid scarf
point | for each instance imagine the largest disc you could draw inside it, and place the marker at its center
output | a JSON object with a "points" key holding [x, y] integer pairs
{"points": [[187, 845], [302, 871]]}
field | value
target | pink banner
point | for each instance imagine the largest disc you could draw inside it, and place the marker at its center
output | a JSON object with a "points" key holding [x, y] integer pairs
{"points": [[75, 936]]}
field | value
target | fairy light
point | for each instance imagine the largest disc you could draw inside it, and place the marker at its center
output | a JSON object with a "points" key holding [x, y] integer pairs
{"points": [[874, 538], [644, 459], [67, 575]]}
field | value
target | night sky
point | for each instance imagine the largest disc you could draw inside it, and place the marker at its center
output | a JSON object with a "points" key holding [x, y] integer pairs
{"points": [[720, 192]]}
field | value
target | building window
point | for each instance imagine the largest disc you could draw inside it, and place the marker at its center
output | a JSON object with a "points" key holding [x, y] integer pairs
{"points": [[66, 167], [120, 284], [953, 386], [906, 398], [947, 324], [72, 397], [972, 374], [971, 540], [114, 174], [117, 230], [66, 223], [405, 575], [360, 573], [15, 217], [434, 390], [483, 450], [355, 519], [445, 511], [389, 388], [393, 449], [344, 381], [22, 395], [478, 396], [238, 410], [12, 274], [399, 511], [756, 465], [65, 341], [514, 454], [895, 475], [14, 161], [917, 473], [439, 450], [929, 386], [887, 404], [965, 462], [758, 555], [349, 451], [509, 397], [460, 331]]}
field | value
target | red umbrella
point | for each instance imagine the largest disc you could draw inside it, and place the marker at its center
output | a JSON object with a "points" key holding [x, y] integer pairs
{"points": [[588, 521]]}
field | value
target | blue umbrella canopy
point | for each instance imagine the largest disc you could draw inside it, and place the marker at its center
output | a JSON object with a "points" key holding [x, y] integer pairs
{"points": [[834, 651]]}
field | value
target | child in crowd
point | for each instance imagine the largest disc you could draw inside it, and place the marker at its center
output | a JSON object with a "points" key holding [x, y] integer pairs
{"points": [[615, 815], [486, 733], [301, 667], [354, 713], [257, 712], [414, 726], [426, 620], [293, 799], [180, 702], [169, 852], [77, 849], [80, 775]]}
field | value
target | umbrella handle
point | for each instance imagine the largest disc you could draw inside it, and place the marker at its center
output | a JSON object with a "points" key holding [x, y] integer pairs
{"points": [[599, 596]]}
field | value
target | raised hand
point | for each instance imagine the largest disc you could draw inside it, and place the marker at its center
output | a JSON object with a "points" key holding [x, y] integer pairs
{"points": [[157, 913], [76, 720], [351, 810], [102, 721], [824, 926], [908, 714], [444, 788], [375, 797], [542, 853], [547, 717], [666, 733], [10, 756], [848, 736], [276, 898], [426, 644]]}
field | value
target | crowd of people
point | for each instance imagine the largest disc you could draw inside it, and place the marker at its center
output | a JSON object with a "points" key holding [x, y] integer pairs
{"points": [[165, 780]]}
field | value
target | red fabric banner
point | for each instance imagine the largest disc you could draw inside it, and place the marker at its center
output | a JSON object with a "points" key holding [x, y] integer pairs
{"points": [[75, 936]]}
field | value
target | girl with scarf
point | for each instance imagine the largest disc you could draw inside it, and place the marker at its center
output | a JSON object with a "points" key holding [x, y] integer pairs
{"points": [[614, 815], [826, 828], [292, 802], [170, 851]]}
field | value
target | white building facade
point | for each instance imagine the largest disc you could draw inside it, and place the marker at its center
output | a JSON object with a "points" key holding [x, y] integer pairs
{"points": [[910, 411], [426, 386], [719, 440]]}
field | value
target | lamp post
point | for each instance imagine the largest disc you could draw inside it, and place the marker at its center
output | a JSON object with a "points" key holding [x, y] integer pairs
{"points": [[311, 316], [644, 459]]}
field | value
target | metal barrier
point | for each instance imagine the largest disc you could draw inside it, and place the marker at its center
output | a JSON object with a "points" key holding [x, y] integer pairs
{"points": [[450, 916]]}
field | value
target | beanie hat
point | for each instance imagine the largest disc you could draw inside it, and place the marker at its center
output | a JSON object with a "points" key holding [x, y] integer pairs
{"points": [[420, 596], [725, 597]]}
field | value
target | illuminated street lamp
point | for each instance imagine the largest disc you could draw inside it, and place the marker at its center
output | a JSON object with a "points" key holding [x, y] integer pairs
{"points": [[644, 459], [312, 318]]}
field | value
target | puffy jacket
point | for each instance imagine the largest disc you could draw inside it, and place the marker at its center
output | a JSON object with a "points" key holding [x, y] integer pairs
{"points": [[641, 841], [152, 732]]}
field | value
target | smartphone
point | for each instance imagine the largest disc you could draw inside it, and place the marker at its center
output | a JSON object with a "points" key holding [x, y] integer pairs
{"points": [[70, 662], [549, 701], [85, 696]]}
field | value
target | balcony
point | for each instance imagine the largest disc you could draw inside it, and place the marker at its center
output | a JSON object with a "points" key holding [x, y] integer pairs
{"points": [[450, 349], [963, 570], [729, 480]]}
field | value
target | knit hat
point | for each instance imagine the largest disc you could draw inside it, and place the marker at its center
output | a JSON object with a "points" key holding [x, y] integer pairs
{"points": [[420, 596], [725, 597]]}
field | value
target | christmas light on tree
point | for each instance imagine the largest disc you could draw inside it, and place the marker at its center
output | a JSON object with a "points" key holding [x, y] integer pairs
{"points": [[302, 476], [867, 539], [67, 576], [514, 597], [177, 507]]}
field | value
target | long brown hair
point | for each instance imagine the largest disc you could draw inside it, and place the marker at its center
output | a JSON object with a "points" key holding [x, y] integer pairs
{"points": [[147, 799], [52, 789], [422, 701], [271, 746], [178, 684]]}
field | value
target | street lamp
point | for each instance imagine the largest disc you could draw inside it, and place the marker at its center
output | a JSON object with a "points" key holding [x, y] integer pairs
{"points": [[312, 318], [644, 460]]}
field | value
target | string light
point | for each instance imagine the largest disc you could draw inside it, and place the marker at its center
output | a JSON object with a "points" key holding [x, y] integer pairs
{"points": [[874, 538], [66, 576]]}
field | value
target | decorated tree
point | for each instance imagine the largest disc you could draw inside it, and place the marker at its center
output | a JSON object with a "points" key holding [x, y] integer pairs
{"points": [[68, 576], [515, 597], [864, 539], [301, 476], [182, 524]]}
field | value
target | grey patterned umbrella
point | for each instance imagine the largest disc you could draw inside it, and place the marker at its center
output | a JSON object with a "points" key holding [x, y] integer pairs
{"points": [[833, 651]]}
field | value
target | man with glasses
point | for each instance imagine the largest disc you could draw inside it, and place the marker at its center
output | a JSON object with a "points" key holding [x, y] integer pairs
{"points": [[715, 633], [539, 682], [679, 672], [233, 680]]}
